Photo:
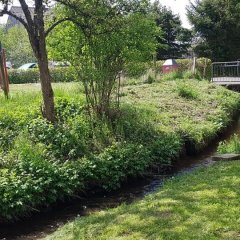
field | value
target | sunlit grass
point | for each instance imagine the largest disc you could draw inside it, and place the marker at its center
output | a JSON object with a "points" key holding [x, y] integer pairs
{"points": [[202, 205]]}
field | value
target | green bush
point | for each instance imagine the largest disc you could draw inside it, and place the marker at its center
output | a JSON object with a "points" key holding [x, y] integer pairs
{"points": [[231, 146], [186, 91], [35, 182], [172, 76], [63, 74], [118, 162], [41, 163]]}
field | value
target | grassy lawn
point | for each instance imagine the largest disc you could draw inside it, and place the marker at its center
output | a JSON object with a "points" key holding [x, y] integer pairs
{"points": [[194, 109], [201, 205]]}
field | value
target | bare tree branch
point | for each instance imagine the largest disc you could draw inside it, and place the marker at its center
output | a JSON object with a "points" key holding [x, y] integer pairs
{"points": [[21, 20], [27, 14], [56, 24]]}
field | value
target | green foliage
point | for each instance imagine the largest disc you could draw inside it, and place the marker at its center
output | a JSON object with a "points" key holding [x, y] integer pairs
{"points": [[118, 162], [105, 47], [186, 91], [215, 21], [21, 76], [61, 74], [203, 68], [34, 181], [172, 76], [41, 163], [231, 146], [18, 49], [174, 40]]}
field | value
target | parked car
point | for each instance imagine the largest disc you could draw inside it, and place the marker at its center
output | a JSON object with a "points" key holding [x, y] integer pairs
{"points": [[28, 66]]}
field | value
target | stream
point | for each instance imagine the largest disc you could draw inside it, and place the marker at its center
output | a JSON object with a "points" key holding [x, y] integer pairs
{"points": [[41, 224]]}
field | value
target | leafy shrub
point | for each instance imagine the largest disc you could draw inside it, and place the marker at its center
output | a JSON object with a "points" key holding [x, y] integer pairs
{"points": [[172, 76], [189, 75], [64, 141], [35, 181], [136, 70], [118, 162], [231, 146], [186, 91], [17, 76], [22, 76]]}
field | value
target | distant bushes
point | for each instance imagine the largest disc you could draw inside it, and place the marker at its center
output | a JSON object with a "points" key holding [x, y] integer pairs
{"points": [[67, 74], [203, 68], [63, 74]]}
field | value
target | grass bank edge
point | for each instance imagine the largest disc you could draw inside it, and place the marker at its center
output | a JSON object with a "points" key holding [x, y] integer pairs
{"points": [[200, 205]]}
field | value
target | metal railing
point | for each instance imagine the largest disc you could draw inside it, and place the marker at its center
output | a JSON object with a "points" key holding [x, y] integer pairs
{"points": [[226, 72]]}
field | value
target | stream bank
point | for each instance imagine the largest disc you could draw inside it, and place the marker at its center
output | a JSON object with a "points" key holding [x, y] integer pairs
{"points": [[44, 223]]}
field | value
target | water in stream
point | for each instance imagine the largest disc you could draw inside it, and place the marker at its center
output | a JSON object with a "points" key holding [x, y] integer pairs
{"points": [[44, 223]]}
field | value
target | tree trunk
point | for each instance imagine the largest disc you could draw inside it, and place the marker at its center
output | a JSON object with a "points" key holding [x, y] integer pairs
{"points": [[47, 91], [39, 45]]}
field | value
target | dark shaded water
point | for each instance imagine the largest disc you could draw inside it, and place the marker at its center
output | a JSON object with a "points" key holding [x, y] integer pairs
{"points": [[44, 223]]}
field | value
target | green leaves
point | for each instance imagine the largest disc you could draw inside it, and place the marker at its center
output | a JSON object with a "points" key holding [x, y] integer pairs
{"points": [[17, 46], [217, 24]]}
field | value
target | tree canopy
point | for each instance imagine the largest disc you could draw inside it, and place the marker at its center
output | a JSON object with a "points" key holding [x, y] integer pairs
{"points": [[103, 46], [217, 24], [175, 39]]}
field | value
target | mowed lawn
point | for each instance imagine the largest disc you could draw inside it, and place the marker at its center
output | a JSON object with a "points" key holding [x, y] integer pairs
{"points": [[204, 204]]}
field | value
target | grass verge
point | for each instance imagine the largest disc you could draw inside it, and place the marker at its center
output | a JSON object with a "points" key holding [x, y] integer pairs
{"points": [[201, 205]]}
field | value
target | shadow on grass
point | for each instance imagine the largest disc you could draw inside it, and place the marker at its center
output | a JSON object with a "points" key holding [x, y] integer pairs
{"points": [[202, 205]]}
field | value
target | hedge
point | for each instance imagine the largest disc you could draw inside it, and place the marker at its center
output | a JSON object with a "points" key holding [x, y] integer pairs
{"points": [[17, 76]]}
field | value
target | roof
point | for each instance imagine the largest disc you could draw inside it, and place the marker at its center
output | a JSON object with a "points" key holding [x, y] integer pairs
{"points": [[19, 12], [170, 62]]}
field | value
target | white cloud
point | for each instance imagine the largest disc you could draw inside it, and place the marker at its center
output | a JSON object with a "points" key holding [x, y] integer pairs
{"points": [[178, 7]]}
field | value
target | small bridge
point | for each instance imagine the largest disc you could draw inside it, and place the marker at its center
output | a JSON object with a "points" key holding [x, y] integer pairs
{"points": [[226, 73]]}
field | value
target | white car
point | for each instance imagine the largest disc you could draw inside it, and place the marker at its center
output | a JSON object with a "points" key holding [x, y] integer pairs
{"points": [[28, 66]]}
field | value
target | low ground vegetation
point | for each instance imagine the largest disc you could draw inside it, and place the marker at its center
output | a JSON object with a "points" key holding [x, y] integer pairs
{"points": [[201, 205], [230, 146], [41, 163]]}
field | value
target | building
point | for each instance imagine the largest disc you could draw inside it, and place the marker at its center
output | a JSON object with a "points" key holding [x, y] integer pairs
{"points": [[11, 21]]}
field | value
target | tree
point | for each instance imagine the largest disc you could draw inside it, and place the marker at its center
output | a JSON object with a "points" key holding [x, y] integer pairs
{"points": [[18, 48], [35, 27], [115, 37], [217, 24], [175, 39]]}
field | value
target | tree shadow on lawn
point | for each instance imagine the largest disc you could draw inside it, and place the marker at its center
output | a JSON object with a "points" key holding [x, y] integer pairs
{"points": [[202, 205]]}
